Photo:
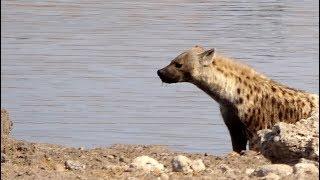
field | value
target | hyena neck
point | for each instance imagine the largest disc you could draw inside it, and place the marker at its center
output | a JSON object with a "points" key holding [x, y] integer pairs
{"points": [[218, 88], [226, 80]]}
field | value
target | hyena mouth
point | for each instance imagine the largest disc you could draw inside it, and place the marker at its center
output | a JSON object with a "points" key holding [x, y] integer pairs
{"points": [[166, 79]]}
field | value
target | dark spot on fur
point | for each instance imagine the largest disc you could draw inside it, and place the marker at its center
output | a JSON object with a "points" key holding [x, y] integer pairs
{"points": [[286, 102], [259, 111], [238, 90], [248, 96], [240, 100], [303, 104], [267, 96], [219, 69], [280, 115], [273, 89], [273, 101], [256, 89], [279, 105], [256, 99], [271, 117], [248, 77], [251, 91], [245, 83], [285, 115]]}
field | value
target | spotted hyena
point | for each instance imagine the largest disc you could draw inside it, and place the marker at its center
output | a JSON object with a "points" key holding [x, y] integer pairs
{"points": [[249, 101]]}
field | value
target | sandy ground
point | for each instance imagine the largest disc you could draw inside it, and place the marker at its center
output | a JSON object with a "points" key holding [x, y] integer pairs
{"points": [[26, 160]]}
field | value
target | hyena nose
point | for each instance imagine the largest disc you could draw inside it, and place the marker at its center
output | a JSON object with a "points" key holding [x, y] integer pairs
{"points": [[159, 72]]}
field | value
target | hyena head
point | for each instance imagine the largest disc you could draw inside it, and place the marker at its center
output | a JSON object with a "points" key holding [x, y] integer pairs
{"points": [[184, 67]]}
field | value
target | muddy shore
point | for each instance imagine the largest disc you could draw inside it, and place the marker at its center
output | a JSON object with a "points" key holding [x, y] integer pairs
{"points": [[27, 160]]}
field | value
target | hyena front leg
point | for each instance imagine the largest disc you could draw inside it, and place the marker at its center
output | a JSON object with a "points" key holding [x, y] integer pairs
{"points": [[236, 129]]}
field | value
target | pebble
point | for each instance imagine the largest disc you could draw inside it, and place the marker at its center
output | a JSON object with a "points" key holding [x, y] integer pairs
{"points": [[59, 168], [197, 165], [147, 163], [270, 176], [249, 171], [123, 159], [110, 156], [224, 168], [181, 164], [278, 169], [74, 165], [164, 176]]}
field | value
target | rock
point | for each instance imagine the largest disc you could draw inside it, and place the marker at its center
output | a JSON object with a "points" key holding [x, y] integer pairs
{"points": [[224, 168], [110, 156], [291, 141], [307, 168], [278, 169], [270, 176], [59, 168], [123, 159], [6, 123], [74, 165], [304, 176], [146, 163], [303, 160], [197, 165], [164, 176], [249, 171], [233, 154], [132, 178], [4, 158], [181, 164]]}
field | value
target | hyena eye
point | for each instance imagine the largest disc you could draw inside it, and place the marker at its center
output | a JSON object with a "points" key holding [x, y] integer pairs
{"points": [[178, 65]]}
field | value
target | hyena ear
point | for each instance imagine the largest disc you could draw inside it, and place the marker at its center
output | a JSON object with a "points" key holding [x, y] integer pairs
{"points": [[206, 58]]}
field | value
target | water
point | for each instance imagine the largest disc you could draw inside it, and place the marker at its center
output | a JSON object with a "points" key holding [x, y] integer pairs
{"points": [[83, 73]]}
